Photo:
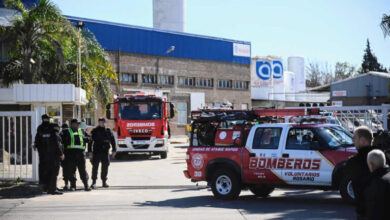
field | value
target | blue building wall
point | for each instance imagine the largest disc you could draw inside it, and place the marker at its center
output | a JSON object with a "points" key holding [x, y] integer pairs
{"points": [[142, 40]]}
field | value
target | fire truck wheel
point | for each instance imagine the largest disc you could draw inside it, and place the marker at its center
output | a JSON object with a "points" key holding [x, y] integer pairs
{"points": [[164, 155], [346, 190], [261, 190], [225, 184]]}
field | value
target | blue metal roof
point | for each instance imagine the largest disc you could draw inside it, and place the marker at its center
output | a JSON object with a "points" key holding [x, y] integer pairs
{"points": [[143, 40]]}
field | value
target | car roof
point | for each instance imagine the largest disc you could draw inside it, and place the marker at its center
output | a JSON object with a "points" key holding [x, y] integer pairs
{"points": [[313, 125]]}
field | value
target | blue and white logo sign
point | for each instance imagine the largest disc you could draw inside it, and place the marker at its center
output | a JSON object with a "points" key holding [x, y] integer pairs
{"points": [[263, 70], [277, 69]]}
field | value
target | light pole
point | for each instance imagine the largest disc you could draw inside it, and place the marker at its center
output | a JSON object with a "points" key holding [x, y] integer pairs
{"points": [[79, 25], [172, 48]]}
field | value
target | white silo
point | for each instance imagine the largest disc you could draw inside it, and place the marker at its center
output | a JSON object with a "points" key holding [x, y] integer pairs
{"points": [[289, 82], [296, 64], [261, 78], [169, 15], [278, 78]]}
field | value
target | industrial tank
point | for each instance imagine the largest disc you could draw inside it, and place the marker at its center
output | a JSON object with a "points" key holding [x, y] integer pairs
{"points": [[278, 78], [169, 15], [289, 83], [261, 78], [296, 64]]}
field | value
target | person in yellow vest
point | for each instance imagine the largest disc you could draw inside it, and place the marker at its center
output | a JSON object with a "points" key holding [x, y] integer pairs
{"points": [[75, 140]]}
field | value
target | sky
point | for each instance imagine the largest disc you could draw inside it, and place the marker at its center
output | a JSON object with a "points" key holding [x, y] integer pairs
{"points": [[323, 31]]}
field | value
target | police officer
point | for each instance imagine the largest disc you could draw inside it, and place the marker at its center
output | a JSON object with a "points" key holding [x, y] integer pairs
{"points": [[54, 155], [74, 140], [40, 143], [63, 162], [102, 138]]}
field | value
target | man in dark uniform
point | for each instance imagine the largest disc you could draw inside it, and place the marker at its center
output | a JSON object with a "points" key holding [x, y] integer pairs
{"points": [[74, 140], [40, 143], [377, 192], [54, 156], [102, 137], [357, 167], [63, 162]]}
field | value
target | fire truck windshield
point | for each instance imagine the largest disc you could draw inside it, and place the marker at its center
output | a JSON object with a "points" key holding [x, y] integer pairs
{"points": [[140, 110]]}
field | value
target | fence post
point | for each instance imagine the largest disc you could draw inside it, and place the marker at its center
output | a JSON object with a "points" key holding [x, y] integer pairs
{"points": [[35, 159]]}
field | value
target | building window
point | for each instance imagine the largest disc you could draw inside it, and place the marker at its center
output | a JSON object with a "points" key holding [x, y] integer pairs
{"points": [[201, 82], [224, 84], [241, 84], [129, 77], [166, 80], [186, 81], [149, 78], [182, 113]]}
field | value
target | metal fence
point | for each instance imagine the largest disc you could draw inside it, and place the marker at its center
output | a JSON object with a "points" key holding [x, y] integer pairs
{"points": [[17, 158]]}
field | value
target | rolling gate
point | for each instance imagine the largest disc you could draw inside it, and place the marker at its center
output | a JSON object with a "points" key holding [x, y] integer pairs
{"points": [[18, 160]]}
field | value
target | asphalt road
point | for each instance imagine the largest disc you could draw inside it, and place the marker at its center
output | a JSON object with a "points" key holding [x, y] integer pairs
{"points": [[151, 188]]}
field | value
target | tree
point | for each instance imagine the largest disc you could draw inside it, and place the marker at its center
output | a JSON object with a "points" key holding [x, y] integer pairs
{"points": [[370, 62], [43, 49], [343, 71], [318, 74], [385, 25]]}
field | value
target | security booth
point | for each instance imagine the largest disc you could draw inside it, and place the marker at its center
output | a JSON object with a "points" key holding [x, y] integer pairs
{"points": [[21, 107]]}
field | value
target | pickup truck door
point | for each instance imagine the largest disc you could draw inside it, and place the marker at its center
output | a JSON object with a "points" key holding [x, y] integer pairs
{"points": [[305, 166], [262, 151]]}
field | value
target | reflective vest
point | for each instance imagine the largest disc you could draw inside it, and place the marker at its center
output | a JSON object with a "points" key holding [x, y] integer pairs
{"points": [[72, 145]]}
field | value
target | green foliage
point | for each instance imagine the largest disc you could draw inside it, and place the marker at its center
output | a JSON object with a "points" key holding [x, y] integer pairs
{"points": [[344, 70], [385, 25], [43, 48], [370, 62]]}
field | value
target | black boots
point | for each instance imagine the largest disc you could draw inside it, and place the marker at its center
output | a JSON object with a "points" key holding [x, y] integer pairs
{"points": [[73, 187], [93, 186], [66, 187], [105, 185]]}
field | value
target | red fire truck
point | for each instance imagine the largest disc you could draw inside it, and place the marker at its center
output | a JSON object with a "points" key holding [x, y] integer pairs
{"points": [[236, 150], [141, 124]]}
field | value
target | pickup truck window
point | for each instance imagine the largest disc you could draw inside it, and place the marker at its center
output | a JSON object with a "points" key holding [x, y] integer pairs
{"points": [[299, 139], [335, 137], [267, 138]]}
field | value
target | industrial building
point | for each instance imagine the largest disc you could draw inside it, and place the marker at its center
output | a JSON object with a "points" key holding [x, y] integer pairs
{"points": [[275, 85], [370, 88], [192, 71]]}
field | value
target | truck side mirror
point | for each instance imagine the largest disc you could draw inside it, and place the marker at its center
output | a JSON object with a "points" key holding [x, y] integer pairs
{"points": [[108, 111], [171, 110]]}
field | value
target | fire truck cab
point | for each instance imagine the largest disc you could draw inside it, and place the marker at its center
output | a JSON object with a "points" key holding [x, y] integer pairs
{"points": [[141, 124]]}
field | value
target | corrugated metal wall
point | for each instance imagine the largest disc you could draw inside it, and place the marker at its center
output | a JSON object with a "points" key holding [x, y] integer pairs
{"points": [[378, 86], [133, 39]]}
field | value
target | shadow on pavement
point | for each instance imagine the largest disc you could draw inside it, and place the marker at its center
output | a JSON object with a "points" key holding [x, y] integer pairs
{"points": [[290, 207], [134, 157], [20, 190]]}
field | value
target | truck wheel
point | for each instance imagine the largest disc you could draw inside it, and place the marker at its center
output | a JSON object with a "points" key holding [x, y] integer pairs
{"points": [[164, 155], [346, 190], [261, 190], [225, 185]]}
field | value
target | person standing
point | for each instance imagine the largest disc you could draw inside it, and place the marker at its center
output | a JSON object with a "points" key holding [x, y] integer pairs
{"points": [[40, 143], [63, 162], [74, 140], [377, 193], [357, 167], [102, 138], [54, 156]]}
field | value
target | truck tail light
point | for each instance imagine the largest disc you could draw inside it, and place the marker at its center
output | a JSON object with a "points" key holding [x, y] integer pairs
{"points": [[162, 130], [119, 131]]}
